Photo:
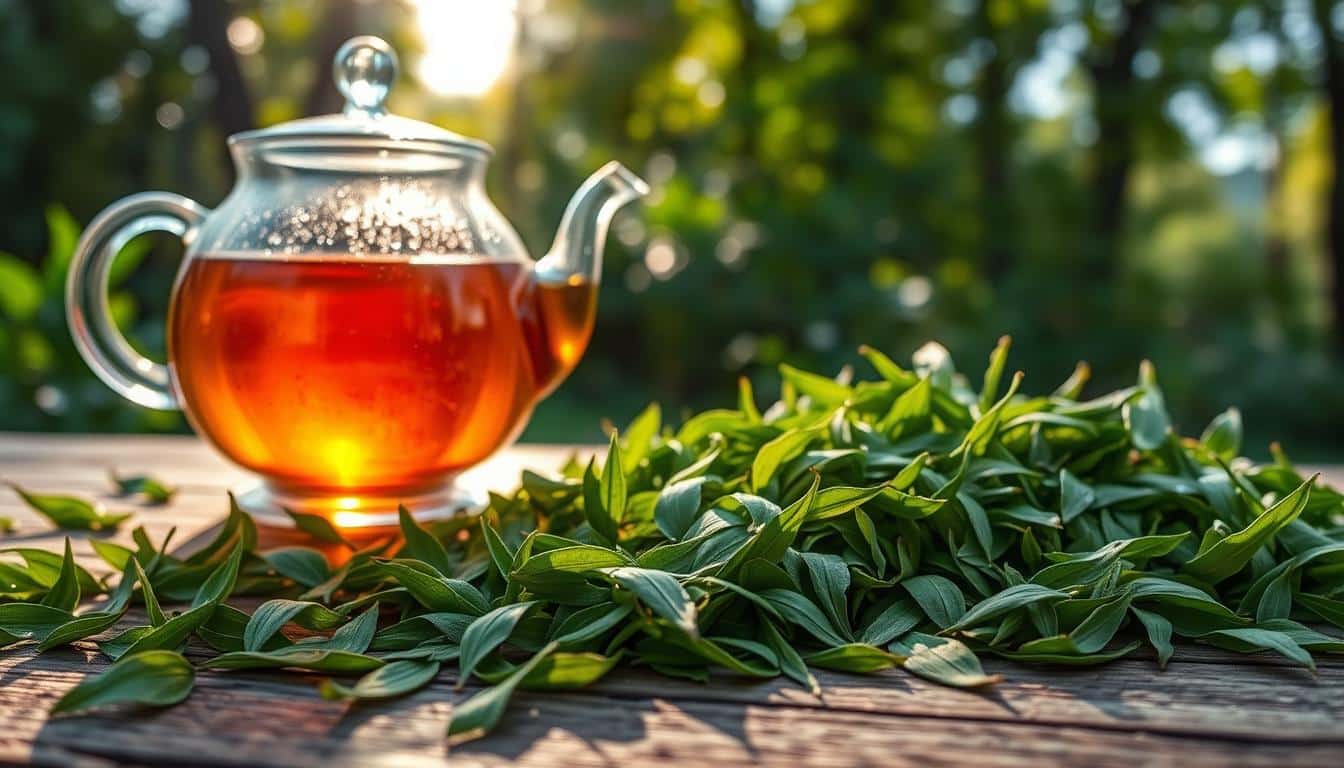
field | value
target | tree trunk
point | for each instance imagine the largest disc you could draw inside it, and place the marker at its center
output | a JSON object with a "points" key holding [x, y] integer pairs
{"points": [[1113, 78], [1334, 212], [1278, 272], [231, 108], [339, 23], [992, 146]]}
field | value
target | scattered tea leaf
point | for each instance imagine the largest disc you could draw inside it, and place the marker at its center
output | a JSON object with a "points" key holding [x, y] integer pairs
{"points": [[477, 715], [64, 593], [487, 633], [70, 512], [318, 527], [943, 660], [153, 491], [395, 679], [296, 657], [154, 678]]}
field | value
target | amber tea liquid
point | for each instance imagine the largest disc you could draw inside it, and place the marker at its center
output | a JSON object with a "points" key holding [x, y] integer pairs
{"points": [[361, 376]]}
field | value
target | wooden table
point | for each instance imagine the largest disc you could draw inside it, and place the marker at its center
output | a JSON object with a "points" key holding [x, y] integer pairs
{"points": [[1207, 708]]}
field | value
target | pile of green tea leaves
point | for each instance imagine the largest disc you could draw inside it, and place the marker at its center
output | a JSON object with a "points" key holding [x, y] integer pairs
{"points": [[905, 521]]}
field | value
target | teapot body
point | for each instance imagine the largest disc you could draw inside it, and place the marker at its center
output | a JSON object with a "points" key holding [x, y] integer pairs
{"points": [[364, 338]]}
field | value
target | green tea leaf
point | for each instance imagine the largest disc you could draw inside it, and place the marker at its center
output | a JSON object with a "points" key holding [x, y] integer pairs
{"points": [[1146, 416], [1252, 639], [943, 660], [590, 623], [1088, 637], [986, 427], [223, 631], [155, 678], [318, 527], [569, 671], [354, 636], [798, 610], [304, 565], [940, 599], [595, 510], [170, 635], [1087, 568], [154, 491], [825, 392], [791, 664], [436, 593], [64, 593], [486, 634], [1159, 634], [892, 622], [31, 620], [746, 401], [854, 657], [772, 539], [661, 593], [1012, 598], [1075, 497], [1066, 659], [579, 559], [1230, 554], [272, 615], [296, 657], [1276, 602], [421, 544], [395, 679], [91, 623], [410, 632], [640, 434], [1305, 636], [479, 714], [88, 625], [221, 581], [776, 453], [827, 529], [678, 506], [998, 359], [152, 609], [1324, 607], [613, 491], [69, 512], [1223, 435], [830, 581], [840, 500]]}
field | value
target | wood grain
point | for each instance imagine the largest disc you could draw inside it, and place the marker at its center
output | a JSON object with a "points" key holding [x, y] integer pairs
{"points": [[1208, 708]]}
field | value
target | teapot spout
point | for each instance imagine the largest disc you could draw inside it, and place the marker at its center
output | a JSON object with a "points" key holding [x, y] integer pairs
{"points": [[576, 253]]}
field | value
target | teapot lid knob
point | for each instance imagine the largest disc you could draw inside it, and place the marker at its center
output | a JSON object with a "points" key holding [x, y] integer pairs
{"points": [[365, 69]]}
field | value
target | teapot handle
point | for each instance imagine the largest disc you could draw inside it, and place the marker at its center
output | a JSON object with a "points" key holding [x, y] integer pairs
{"points": [[131, 374]]}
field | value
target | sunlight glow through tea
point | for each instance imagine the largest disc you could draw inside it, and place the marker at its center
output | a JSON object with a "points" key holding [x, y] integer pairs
{"points": [[354, 376]]}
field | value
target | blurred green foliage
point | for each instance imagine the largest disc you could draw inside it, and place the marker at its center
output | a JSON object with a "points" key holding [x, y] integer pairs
{"points": [[1105, 180]]}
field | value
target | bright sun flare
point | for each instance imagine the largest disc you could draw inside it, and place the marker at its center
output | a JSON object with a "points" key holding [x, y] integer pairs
{"points": [[468, 44]]}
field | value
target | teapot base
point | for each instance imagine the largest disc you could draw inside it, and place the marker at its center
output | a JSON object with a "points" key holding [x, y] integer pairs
{"points": [[267, 506]]}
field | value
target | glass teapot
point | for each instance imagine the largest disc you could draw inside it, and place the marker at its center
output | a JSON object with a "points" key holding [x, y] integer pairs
{"points": [[356, 322]]}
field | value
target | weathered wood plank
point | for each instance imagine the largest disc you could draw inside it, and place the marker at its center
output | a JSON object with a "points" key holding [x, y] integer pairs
{"points": [[1260, 703], [262, 720], [1210, 707]]}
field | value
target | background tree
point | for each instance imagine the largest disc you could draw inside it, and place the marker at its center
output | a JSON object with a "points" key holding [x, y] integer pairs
{"points": [[1104, 179]]}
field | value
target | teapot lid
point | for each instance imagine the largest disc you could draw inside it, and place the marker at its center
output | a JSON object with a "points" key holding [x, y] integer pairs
{"points": [[365, 68]]}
